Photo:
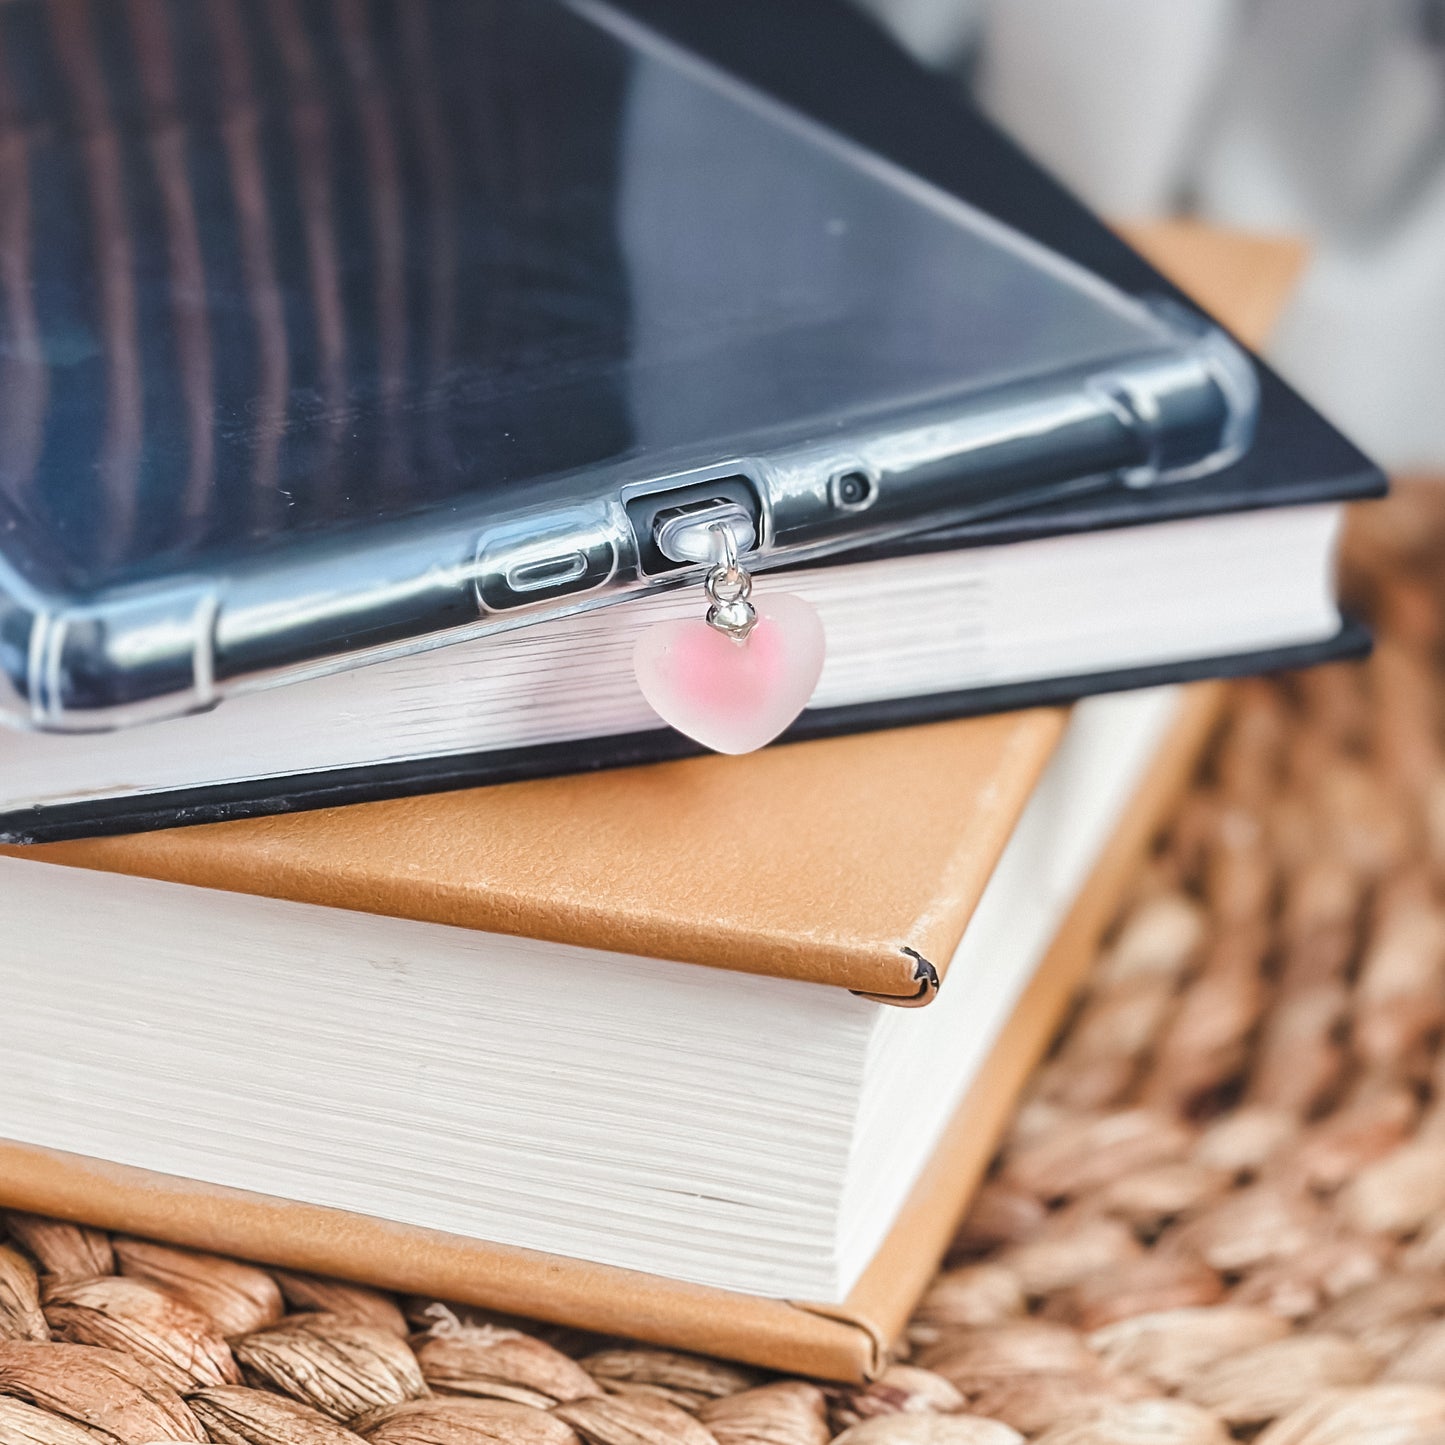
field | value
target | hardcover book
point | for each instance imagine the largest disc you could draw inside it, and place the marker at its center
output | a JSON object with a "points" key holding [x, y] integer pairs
{"points": [[709, 1053]]}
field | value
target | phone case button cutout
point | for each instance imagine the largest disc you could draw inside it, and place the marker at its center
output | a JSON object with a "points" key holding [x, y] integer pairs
{"points": [[515, 571]]}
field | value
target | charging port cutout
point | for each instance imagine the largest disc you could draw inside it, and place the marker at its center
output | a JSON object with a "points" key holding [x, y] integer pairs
{"points": [[643, 513]]}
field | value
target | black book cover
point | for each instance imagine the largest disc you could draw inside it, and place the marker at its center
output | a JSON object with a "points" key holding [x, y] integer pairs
{"points": [[833, 63], [829, 61]]}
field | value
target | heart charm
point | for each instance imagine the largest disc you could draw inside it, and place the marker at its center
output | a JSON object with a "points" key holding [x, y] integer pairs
{"points": [[733, 697]]}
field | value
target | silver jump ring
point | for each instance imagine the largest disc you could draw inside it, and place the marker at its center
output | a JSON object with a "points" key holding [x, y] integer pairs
{"points": [[724, 547], [724, 586], [727, 581]]}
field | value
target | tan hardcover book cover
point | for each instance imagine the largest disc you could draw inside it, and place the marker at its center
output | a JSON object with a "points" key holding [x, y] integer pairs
{"points": [[722, 861]]}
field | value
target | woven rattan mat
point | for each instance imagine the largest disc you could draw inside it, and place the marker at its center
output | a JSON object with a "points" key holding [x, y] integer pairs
{"points": [[1220, 1212]]}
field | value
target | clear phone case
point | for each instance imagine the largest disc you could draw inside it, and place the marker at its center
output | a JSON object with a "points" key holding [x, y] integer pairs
{"points": [[332, 332]]}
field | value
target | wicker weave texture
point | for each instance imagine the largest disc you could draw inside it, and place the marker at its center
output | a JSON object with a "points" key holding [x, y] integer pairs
{"points": [[1219, 1214]]}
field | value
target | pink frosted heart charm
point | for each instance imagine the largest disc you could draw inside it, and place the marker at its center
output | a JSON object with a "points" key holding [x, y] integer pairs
{"points": [[733, 697]]}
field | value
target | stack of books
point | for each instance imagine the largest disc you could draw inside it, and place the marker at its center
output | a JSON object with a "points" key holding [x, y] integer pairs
{"points": [[707, 1051]]}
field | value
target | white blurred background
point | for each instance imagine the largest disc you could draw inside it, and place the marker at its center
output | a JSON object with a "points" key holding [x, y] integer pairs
{"points": [[1322, 118]]}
